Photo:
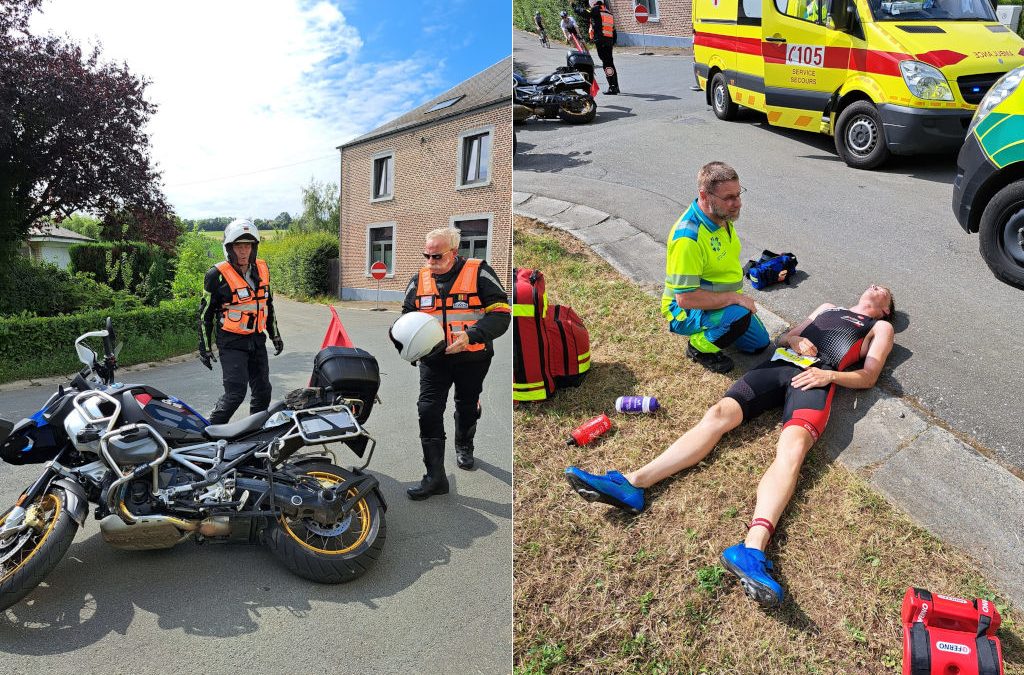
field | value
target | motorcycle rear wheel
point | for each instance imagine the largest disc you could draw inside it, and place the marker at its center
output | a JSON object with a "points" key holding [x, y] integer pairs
{"points": [[580, 110], [29, 557], [337, 553]]}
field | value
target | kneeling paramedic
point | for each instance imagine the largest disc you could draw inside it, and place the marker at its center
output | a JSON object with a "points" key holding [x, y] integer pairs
{"points": [[469, 301], [703, 296], [839, 339], [237, 299]]}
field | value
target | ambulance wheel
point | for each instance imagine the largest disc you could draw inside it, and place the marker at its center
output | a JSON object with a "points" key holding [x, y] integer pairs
{"points": [[721, 103], [1001, 234], [860, 140]]}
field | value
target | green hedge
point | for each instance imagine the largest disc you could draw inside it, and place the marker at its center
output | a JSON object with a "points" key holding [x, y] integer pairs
{"points": [[300, 263], [523, 11], [42, 346], [134, 266], [30, 288]]}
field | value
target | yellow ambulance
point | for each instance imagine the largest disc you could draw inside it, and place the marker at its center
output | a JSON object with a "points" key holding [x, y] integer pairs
{"points": [[883, 77]]}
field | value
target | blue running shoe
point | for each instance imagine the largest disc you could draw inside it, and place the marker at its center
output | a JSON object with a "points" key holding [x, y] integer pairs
{"points": [[611, 488], [752, 567]]}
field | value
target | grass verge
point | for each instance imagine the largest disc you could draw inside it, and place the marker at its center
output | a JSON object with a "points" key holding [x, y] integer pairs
{"points": [[599, 591]]}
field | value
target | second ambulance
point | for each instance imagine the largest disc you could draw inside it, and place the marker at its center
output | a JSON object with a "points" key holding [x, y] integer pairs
{"points": [[883, 77]]}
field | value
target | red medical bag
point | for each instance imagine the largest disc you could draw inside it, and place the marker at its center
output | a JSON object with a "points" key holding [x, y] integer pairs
{"points": [[951, 636], [551, 344]]}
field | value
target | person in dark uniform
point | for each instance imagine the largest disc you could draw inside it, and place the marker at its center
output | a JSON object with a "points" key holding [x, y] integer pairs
{"points": [[469, 301], [602, 32], [582, 12], [838, 339], [237, 302]]}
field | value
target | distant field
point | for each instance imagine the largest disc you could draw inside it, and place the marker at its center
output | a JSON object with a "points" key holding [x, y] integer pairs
{"points": [[218, 235]]}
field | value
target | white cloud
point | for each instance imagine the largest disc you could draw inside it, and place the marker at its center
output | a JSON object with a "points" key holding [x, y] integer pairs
{"points": [[245, 88]]}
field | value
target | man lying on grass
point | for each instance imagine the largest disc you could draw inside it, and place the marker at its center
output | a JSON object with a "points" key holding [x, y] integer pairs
{"points": [[838, 338]]}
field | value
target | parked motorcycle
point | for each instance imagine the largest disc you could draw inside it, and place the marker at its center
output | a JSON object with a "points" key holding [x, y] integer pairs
{"points": [[563, 94], [157, 473]]}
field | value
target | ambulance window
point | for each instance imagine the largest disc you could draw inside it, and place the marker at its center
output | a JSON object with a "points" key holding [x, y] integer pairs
{"points": [[808, 10], [781, 5], [750, 9]]}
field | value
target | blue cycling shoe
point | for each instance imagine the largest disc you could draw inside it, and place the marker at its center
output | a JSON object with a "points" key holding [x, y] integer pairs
{"points": [[752, 567], [611, 488]]}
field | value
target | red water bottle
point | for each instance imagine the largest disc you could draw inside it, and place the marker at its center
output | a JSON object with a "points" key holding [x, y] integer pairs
{"points": [[589, 430]]}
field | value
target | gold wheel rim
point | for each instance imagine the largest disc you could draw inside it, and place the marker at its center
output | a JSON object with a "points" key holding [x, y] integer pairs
{"points": [[44, 503], [360, 514]]}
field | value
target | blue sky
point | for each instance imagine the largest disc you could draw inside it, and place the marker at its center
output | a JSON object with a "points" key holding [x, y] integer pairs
{"points": [[255, 95]]}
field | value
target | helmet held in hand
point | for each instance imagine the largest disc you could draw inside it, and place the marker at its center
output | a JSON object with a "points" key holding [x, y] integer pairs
{"points": [[417, 335]]}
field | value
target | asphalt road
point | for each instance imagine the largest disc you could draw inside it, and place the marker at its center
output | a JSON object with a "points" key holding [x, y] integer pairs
{"points": [[440, 598], [958, 343]]}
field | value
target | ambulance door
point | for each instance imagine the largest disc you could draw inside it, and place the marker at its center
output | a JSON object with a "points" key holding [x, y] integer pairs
{"points": [[804, 62]]}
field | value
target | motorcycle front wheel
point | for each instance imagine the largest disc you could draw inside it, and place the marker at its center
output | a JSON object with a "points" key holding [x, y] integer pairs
{"points": [[27, 557], [578, 110], [335, 553]]}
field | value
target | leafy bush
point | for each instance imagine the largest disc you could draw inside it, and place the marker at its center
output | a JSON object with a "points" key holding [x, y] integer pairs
{"points": [[133, 266], [300, 263], [32, 288], [193, 261], [40, 346]]}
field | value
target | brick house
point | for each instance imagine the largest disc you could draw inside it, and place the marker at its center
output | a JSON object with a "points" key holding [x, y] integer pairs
{"points": [[448, 161], [670, 23]]}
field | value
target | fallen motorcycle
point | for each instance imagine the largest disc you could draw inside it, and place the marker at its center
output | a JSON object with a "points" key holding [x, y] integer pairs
{"points": [[158, 474], [563, 94]]}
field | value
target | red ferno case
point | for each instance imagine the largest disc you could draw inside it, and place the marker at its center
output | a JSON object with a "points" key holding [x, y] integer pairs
{"points": [[943, 634], [551, 344]]}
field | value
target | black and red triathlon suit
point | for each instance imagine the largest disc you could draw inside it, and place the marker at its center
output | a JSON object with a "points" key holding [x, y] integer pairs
{"points": [[839, 336]]}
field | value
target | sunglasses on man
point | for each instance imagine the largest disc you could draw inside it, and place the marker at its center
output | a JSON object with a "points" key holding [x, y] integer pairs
{"points": [[435, 256]]}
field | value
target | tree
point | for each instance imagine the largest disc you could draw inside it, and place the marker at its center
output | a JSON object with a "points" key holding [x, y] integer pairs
{"points": [[283, 221], [320, 208], [141, 224], [82, 224], [71, 131]]}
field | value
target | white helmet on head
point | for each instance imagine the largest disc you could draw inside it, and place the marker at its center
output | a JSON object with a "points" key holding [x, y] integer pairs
{"points": [[417, 335], [240, 229]]}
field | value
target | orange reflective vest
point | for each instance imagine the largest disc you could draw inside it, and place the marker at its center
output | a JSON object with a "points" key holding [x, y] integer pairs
{"points": [[247, 312], [607, 25], [460, 308]]}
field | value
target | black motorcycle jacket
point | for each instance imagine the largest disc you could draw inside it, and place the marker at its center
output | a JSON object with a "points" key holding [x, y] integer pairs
{"points": [[217, 292], [492, 325]]}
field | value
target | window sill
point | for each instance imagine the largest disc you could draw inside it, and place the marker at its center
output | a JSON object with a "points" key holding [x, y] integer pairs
{"points": [[470, 186], [386, 198], [386, 276]]}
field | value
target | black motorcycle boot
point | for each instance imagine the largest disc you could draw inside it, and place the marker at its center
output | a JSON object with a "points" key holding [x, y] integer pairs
{"points": [[613, 84], [434, 482], [464, 439]]}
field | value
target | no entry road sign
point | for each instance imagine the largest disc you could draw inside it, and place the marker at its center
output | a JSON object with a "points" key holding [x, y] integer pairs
{"points": [[641, 14], [378, 270]]}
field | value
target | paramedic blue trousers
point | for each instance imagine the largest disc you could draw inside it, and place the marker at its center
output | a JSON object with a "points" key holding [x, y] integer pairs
{"points": [[711, 330]]}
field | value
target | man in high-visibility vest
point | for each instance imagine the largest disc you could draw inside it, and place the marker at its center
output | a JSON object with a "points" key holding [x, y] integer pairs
{"points": [[464, 294], [237, 303], [703, 296], [602, 32]]}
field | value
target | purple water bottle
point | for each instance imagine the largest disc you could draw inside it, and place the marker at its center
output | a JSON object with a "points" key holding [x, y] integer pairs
{"points": [[636, 404]]}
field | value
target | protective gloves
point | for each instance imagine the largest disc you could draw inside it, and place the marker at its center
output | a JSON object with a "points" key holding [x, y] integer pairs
{"points": [[206, 358], [278, 345]]}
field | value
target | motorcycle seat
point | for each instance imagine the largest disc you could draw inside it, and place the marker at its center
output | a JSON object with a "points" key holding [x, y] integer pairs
{"points": [[234, 429], [540, 80]]}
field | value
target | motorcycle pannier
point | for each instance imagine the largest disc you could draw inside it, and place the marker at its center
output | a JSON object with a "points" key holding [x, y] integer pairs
{"points": [[551, 344], [582, 62], [350, 372]]}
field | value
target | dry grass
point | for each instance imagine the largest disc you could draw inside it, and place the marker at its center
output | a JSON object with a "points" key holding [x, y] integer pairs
{"points": [[600, 591]]}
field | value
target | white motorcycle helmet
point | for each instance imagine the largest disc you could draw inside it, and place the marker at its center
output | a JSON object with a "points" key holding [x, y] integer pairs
{"points": [[240, 229], [417, 335]]}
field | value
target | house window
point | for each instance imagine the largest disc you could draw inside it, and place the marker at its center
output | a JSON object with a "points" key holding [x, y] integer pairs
{"points": [[381, 242], [475, 157], [475, 230], [383, 176], [652, 8]]}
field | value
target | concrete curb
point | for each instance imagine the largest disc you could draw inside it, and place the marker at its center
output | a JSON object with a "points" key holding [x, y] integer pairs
{"points": [[941, 482]]}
